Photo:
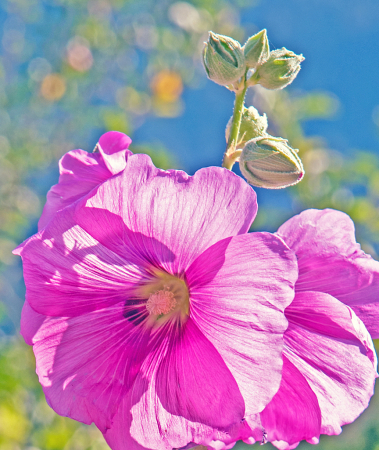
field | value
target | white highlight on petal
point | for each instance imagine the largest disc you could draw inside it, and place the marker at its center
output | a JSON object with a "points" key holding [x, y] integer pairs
{"points": [[161, 302]]}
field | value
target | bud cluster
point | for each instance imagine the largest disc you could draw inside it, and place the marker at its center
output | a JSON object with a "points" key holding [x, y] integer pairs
{"points": [[265, 161], [229, 64]]}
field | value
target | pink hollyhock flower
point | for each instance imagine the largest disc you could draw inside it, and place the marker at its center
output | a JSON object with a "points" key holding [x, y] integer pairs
{"points": [[81, 171], [150, 309], [329, 359]]}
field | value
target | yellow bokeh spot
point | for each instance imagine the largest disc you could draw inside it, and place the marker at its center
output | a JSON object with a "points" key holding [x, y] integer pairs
{"points": [[53, 87], [167, 86], [13, 424]]}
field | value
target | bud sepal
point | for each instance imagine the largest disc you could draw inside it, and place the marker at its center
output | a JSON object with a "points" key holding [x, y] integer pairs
{"points": [[256, 49]]}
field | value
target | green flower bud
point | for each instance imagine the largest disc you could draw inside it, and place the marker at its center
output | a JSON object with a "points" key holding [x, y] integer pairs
{"points": [[279, 70], [270, 163], [256, 49], [223, 59], [252, 125]]}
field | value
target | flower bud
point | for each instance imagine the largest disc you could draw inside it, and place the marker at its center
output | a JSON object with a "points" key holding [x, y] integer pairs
{"points": [[223, 59], [279, 70], [256, 49], [270, 163], [252, 125]]}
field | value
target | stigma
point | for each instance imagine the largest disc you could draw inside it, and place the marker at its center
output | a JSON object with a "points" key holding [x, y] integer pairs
{"points": [[161, 302]]}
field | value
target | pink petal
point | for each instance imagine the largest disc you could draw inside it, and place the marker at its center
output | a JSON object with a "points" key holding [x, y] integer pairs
{"points": [[68, 273], [184, 215], [86, 364], [31, 322], [293, 414], [365, 301], [332, 349], [239, 289], [112, 147], [282, 445], [331, 261], [194, 382], [80, 172], [141, 421]]}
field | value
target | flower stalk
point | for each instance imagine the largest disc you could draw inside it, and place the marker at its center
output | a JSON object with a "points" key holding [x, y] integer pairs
{"points": [[231, 154]]}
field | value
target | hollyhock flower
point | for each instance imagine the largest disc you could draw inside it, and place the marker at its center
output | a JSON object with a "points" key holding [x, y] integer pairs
{"points": [[329, 362], [81, 171], [153, 313]]}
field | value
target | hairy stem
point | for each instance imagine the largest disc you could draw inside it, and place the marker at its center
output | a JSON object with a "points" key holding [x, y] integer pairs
{"points": [[230, 153]]}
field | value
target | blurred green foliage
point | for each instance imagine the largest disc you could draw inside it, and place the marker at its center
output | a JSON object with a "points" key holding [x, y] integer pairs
{"points": [[73, 69], [26, 421]]}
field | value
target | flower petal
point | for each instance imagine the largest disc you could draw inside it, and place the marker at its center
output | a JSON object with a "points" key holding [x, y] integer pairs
{"points": [[239, 289], [113, 148], [141, 421], [86, 364], [332, 349], [68, 273], [81, 171], [331, 261], [293, 414], [185, 214], [194, 382]]}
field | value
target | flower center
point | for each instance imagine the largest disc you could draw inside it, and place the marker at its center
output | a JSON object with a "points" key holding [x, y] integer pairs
{"points": [[161, 302], [165, 296]]}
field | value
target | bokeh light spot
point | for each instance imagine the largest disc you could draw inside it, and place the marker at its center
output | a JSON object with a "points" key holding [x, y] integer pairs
{"points": [[79, 55], [53, 87], [167, 86]]}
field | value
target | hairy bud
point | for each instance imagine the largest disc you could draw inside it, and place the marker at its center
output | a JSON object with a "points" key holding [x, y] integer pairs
{"points": [[223, 59], [279, 70], [270, 163], [252, 125]]}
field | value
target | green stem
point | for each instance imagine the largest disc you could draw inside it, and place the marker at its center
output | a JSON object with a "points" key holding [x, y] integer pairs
{"points": [[229, 155]]}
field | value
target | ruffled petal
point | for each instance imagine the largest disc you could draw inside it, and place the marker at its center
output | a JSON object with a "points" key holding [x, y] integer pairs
{"points": [[113, 149], [283, 445], [332, 349], [68, 273], [184, 214], [239, 289], [86, 364], [81, 171], [331, 261], [293, 414]]}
